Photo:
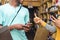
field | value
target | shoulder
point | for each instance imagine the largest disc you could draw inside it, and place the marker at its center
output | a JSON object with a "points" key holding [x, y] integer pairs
{"points": [[26, 9], [4, 6]]}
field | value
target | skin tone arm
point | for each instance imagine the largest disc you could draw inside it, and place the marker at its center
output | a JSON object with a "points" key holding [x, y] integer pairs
{"points": [[19, 27], [15, 26]]}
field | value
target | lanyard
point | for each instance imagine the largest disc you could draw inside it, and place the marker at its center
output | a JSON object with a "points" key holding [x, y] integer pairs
{"points": [[16, 15]]}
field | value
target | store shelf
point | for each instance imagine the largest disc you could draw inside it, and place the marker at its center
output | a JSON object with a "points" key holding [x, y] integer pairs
{"points": [[31, 0], [31, 3]]}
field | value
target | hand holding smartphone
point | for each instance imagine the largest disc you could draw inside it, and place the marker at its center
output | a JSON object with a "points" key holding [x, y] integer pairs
{"points": [[27, 25]]}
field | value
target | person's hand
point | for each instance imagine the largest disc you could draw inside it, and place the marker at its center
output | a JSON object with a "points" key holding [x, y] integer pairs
{"points": [[27, 26], [56, 21], [39, 21], [36, 19]]}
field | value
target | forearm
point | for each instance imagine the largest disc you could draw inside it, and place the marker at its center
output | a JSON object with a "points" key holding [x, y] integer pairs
{"points": [[48, 27], [11, 27]]}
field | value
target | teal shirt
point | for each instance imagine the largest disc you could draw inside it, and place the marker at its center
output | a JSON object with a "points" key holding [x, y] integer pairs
{"points": [[7, 13]]}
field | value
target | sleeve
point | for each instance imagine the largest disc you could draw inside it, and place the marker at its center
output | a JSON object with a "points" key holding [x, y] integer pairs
{"points": [[43, 23], [27, 17], [50, 28]]}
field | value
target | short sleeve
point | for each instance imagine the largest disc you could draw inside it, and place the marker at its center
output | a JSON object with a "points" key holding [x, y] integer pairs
{"points": [[27, 16]]}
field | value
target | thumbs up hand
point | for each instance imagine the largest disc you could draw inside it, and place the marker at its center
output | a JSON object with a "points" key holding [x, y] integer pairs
{"points": [[36, 19], [39, 21]]}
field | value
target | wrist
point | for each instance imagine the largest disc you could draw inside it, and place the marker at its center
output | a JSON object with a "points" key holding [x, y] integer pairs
{"points": [[42, 23], [11, 27]]}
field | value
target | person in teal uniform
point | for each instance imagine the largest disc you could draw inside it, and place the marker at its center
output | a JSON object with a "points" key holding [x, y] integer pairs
{"points": [[17, 27]]}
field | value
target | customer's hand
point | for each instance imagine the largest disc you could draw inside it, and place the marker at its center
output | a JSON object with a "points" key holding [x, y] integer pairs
{"points": [[36, 19], [27, 27], [56, 21], [39, 21]]}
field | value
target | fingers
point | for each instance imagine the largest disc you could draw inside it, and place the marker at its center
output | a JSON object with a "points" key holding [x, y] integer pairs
{"points": [[54, 18], [26, 28], [36, 19], [35, 15]]}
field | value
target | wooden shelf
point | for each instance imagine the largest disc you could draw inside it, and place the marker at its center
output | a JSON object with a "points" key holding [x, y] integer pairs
{"points": [[43, 3], [49, 11], [31, 0], [32, 3]]}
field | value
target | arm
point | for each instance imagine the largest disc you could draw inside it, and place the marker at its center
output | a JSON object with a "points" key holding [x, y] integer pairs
{"points": [[41, 22], [11, 27], [2, 20], [48, 27], [16, 26], [20, 26]]}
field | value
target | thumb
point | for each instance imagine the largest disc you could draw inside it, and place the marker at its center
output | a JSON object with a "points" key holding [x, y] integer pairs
{"points": [[35, 15]]}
